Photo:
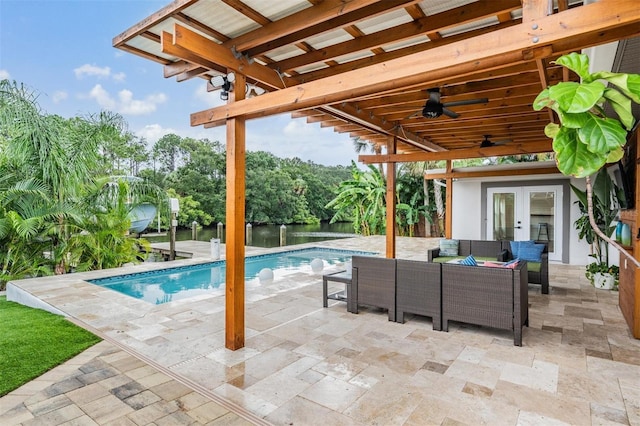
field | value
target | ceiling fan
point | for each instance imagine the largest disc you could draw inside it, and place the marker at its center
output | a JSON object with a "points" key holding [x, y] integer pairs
{"points": [[487, 143], [433, 108]]}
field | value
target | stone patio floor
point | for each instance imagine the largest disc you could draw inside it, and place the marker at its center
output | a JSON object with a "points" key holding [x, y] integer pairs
{"points": [[307, 365]]}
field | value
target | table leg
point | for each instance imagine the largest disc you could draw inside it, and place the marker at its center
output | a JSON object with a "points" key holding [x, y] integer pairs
{"points": [[324, 292]]}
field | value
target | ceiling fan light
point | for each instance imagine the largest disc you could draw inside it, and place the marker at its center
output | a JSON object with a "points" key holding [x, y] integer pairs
{"points": [[432, 109]]}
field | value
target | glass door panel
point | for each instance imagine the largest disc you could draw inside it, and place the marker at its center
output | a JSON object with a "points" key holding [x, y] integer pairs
{"points": [[526, 213], [504, 216], [542, 210]]}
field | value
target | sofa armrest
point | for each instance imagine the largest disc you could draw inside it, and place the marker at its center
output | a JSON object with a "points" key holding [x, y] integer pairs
{"points": [[504, 256], [433, 253]]}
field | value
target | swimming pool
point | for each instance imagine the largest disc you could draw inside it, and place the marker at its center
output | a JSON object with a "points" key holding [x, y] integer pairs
{"points": [[183, 282]]}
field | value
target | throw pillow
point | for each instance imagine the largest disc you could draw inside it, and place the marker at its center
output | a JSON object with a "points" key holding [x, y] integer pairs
{"points": [[515, 247], [469, 261], [448, 247], [530, 251]]}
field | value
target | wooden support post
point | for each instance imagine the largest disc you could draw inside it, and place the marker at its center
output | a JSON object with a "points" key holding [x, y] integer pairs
{"points": [[448, 219], [236, 158], [391, 202]]}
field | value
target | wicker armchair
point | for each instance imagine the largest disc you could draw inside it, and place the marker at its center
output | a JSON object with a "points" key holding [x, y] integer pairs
{"points": [[373, 283], [492, 297], [540, 276], [418, 290]]}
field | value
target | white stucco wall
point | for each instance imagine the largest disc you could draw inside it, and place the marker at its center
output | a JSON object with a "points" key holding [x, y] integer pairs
{"points": [[466, 210]]}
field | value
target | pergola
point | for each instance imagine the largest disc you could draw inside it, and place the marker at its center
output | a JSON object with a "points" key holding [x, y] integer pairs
{"points": [[367, 68]]}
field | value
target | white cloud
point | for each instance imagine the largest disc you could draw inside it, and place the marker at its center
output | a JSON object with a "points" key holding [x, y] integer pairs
{"points": [[4, 75], [59, 96], [119, 77], [128, 105], [125, 103], [153, 132], [92, 70], [102, 97]]}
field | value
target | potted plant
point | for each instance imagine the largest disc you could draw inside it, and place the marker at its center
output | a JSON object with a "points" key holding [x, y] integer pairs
{"points": [[605, 196], [585, 139], [603, 276]]}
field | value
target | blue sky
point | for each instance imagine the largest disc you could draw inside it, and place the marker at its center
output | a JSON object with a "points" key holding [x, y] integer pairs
{"points": [[62, 49]]}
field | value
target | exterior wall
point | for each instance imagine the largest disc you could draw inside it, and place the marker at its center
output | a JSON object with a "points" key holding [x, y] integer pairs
{"points": [[467, 205], [468, 215]]}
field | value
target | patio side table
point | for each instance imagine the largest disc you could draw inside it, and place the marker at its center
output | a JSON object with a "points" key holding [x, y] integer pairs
{"points": [[343, 295]]}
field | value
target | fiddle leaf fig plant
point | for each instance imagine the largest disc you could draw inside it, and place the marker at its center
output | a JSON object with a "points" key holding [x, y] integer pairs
{"points": [[586, 139]]}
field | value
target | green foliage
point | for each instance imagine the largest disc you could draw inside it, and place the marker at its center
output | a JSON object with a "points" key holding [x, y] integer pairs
{"points": [[190, 211], [586, 139], [278, 191], [34, 341], [363, 199], [410, 207], [605, 210], [48, 202]]}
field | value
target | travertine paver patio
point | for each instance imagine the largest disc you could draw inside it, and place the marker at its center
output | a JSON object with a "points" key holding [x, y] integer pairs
{"points": [[304, 364]]}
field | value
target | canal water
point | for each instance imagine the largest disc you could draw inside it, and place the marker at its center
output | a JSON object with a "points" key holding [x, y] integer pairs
{"points": [[269, 235]]}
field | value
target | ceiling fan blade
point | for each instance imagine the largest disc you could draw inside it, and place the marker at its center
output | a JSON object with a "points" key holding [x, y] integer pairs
{"points": [[449, 113], [466, 102]]}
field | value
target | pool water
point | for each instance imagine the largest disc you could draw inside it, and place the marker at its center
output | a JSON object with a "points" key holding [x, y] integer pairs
{"points": [[183, 282]]}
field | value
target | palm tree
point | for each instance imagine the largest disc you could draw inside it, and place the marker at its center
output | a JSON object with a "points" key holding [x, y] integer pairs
{"points": [[361, 146], [362, 198], [46, 165]]}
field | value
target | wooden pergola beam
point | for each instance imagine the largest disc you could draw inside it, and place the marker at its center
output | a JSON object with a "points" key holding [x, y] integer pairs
{"points": [[339, 21], [460, 154], [296, 22], [196, 48], [458, 174], [487, 51], [438, 22]]}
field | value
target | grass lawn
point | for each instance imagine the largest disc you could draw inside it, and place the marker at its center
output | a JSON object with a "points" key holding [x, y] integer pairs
{"points": [[33, 341]]}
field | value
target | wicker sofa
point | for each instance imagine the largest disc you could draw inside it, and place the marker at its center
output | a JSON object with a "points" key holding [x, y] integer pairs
{"points": [[492, 297], [538, 273]]}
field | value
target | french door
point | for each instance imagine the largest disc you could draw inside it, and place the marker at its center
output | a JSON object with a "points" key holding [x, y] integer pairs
{"points": [[526, 213]]}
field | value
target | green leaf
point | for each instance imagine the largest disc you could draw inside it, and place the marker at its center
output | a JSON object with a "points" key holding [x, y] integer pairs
{"points": [[602, 135], [573, 157], [629, 84], [577, 97], [615, 155], [575, 120], [621, 105], [576, 62], [551, 130], [543, 101]]}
